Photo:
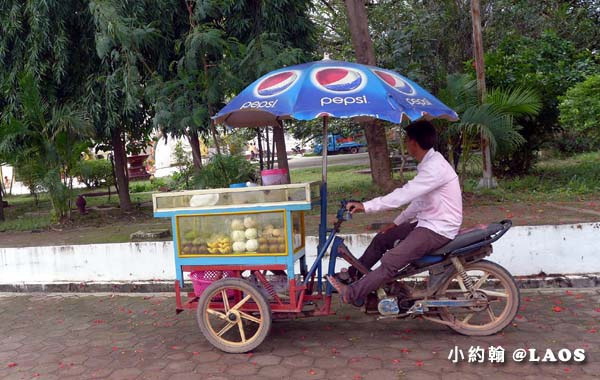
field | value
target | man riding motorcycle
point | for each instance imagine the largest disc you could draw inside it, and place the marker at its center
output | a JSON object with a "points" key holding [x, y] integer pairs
{"points": [[435, 202]]}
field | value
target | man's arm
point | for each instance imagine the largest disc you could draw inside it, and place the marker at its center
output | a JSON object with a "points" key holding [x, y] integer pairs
{"points": [[425, 181], [409, 213]]}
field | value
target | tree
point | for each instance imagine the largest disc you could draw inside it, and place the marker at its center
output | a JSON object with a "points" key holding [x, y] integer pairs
{"points": [[45, 140], [580, 110], [549, 65], [130, 51], [53, 42], [495, 118], [271, 35], [381, 169], [185, 95], [224, 46]]}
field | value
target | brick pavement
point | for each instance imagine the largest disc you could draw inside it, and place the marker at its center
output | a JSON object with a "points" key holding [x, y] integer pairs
{"points": [[49, 336]]}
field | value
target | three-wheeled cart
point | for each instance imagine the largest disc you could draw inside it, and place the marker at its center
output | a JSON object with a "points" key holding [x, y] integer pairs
{"points": [[248, 244]]}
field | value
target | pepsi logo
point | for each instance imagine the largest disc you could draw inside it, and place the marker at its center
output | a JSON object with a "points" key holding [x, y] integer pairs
{"points": [[276, 84], [339, 79], [396, 82]]}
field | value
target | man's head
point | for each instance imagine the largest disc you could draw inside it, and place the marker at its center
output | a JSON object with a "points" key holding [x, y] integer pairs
{"points": [[420, 137]]}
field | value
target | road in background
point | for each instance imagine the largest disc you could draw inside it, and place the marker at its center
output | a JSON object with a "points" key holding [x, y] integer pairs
{"points": [[298, 162]]}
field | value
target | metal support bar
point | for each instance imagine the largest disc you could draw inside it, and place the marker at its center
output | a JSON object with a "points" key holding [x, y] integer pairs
{"points": [[320, 255]]}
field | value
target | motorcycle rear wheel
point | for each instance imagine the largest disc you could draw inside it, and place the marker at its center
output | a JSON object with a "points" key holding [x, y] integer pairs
{"points": [[492, 283]]}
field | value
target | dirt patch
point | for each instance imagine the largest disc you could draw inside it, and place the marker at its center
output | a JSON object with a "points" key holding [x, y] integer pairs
{"points": [[114, 227]]}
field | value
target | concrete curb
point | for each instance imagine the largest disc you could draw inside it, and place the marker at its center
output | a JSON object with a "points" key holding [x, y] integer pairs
{"points": [[591, 280]]}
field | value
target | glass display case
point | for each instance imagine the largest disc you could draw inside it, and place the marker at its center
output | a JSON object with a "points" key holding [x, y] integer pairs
{"points": [[257, 233], [261, 225]]}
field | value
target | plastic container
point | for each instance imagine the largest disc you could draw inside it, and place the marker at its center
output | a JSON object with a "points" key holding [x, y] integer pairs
{"points": [[237, 185], [202, 279], [274, 177]]}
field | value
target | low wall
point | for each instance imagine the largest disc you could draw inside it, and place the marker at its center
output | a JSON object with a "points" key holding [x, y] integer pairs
{"points": [[527, 250]]}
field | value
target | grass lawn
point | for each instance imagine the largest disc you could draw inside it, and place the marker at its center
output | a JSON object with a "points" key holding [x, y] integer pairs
{"points": [[574, 179]]}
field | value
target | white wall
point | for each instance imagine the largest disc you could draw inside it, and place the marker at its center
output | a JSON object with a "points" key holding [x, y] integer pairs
{"points": [[564, 249]]}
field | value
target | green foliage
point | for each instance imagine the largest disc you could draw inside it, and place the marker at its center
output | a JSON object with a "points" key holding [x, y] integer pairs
{"points": [[549, 65], [495, 118], [44, 142], [580, 110], [223, 46], [575, 21], [154, 184], [95, 173], [223, 171], [49, 39], [552, 180]]}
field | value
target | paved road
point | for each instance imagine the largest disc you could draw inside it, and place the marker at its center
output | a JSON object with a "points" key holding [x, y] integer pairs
{"points": [[47, 336], [296, 162]]}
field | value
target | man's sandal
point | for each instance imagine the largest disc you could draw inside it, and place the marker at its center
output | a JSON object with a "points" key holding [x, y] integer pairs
{"points": [[342, 289]]}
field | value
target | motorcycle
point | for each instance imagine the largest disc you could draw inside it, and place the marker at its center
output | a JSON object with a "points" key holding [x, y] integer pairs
{"points": [[298, 150], [462, 290]]}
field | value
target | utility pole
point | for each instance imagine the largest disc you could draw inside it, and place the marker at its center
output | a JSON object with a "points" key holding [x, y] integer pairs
{"points": [[487, 181]]}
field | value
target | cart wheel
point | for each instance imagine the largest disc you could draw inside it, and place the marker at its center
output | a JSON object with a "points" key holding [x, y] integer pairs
{"points": [[233, 315]]}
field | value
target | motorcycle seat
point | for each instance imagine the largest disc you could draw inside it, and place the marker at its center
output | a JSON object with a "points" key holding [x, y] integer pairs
{"points": [[463, 239], [468, 237]]}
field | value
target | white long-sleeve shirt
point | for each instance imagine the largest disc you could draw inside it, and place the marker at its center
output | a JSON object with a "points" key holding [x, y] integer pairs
{"points": [[434, 195]]}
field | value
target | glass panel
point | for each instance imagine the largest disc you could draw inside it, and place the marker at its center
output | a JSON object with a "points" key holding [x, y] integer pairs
{"points": [[235, 197], [297, 230], [232, 234], [315, 191]]}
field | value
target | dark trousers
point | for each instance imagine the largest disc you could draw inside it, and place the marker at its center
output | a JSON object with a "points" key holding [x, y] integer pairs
{"points": [[415, 243]]}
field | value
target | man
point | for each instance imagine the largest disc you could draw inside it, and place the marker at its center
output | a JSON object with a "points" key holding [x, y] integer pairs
{"points": [[435, 202]]}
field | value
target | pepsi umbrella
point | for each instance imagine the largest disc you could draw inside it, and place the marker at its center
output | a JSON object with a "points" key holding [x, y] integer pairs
{"points": [[334, 89], [326, 89]]}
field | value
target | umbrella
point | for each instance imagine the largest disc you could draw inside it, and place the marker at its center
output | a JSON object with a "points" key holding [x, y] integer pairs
{"points": [[330, 88], [334, 89]]}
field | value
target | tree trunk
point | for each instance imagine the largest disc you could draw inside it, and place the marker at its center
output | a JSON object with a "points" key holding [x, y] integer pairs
{"points": [[379, 155], [121, 169], [2, 191], [381, 169], [269, 163], [260, 149], [1, 204], [196, 154], [282, 159], [487, 181]]}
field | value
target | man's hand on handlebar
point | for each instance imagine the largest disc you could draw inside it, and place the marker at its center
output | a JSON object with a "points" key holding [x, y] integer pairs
{"points": [[355, 207]]}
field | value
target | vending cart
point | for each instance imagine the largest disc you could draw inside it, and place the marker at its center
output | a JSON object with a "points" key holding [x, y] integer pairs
{"points": [[236, 245]]}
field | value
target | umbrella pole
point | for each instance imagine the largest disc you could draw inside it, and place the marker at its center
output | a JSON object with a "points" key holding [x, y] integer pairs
{"points": [[323, 224]]}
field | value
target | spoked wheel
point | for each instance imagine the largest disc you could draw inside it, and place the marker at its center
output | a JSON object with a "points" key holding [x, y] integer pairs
{"points": [[494, 287], [233, 315]]}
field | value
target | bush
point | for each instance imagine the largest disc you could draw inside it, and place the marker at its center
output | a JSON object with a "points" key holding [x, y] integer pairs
{"points": [[572, 142], [94, 173], [580, 113], [154, 184], [222, 171]]}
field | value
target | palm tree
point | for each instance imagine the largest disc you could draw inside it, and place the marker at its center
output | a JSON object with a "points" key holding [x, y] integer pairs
{"points": [[495, 118], [45, 141]]}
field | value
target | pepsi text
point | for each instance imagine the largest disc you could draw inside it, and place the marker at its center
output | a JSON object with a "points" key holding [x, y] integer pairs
{"points": [[260, 104], [344, 100]]}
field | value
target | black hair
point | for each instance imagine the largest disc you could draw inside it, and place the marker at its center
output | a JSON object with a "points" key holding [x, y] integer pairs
{"points": [[423, 132]]}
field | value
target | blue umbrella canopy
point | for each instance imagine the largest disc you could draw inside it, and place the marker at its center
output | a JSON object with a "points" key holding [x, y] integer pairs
{"points": [[335, 89]]}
